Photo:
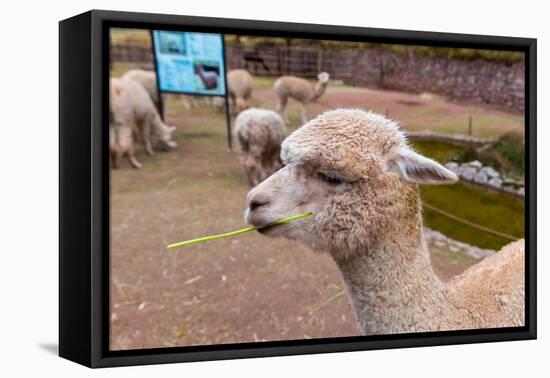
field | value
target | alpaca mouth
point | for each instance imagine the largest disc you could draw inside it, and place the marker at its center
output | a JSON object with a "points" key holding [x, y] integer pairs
{"points": [[261, 224], [264, 229], [260, 221], [267, 227]]}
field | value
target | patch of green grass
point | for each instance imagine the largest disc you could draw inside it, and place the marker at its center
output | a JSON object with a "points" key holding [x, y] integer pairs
{"points": [[512, 147], [440, 151], [497, 211], [507, 155], [484, 124]]}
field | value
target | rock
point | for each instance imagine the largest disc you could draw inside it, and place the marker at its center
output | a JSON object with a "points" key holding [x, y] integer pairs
{"points": [[469, 173], [474, 252], [455, 167], [512, 182], [480, 178], [475, 163], [521, 191], [509, 189], [438, 236], [487, 252], [458, 170], [495, 182], [451, 165], [490, 172]]}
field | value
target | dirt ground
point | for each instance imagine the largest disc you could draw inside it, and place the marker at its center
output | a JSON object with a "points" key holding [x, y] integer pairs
{"points": [[243, 289]]}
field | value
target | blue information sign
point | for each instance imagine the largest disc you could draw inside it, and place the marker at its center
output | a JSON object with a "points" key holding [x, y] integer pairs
{"points": [[190, 62]]}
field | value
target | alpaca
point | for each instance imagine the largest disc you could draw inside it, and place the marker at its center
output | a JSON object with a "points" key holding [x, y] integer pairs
{"points": [[132, 112], [148, 79], [121, 141], [259, 133], [209, 78], [240, 85], [300, 90], [355, 171], [190, 102], [218, 103]]}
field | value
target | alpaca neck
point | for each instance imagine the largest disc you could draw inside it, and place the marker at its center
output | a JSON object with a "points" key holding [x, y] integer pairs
{"points": [[393, 289], [319, 90]]}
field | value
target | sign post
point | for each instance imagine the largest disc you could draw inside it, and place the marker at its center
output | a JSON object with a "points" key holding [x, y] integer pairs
{"points": [[191, 63]]}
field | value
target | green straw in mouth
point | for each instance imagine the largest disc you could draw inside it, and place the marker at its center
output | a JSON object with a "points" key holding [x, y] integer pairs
{"points": [[238, 232]]}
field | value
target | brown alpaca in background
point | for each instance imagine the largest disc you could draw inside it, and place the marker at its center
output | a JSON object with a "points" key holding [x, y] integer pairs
{"points": [[299, 89], [240, 85]]}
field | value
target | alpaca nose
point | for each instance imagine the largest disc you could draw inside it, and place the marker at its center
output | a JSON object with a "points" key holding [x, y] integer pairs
{"points": [[257, 200]]}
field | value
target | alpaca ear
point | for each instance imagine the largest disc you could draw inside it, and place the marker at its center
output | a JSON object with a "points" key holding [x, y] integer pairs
{"points": [[419, 169]]}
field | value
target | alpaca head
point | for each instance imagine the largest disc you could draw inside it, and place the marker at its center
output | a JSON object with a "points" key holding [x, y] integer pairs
{"points": [[319, 89], [164, 135], [241, 104], [323, 77], [253, 168], [355, 171]]}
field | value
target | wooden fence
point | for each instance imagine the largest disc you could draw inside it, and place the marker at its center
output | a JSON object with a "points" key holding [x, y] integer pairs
{"points": [[351, 66], [128, 52], [476, 80], [276, 60]]}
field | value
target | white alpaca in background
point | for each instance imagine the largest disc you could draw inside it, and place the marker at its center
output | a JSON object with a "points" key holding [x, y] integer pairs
{"points": [[259, 134], [132, 112], [148, 79]]}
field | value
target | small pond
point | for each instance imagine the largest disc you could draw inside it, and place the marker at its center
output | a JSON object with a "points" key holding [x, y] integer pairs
{"points": [[491, 209]]}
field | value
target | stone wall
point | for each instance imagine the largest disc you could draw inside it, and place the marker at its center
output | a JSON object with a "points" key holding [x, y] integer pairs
{"points": [[497, 84]]}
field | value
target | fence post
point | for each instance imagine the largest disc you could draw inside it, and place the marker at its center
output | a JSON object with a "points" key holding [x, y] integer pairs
{"points": [[354, 68], [381, 68], [320, 60], [470, 125], [288, 42]]}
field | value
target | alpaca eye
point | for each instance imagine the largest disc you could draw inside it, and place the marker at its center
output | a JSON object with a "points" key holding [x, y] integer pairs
{"points": [[331, 178]]}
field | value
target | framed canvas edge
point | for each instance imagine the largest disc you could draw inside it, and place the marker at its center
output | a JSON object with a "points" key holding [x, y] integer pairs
{"points": [[99, 201]]}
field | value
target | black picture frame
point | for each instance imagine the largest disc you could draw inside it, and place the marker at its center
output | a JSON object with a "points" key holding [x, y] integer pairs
{"points": [[84, 189]]}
